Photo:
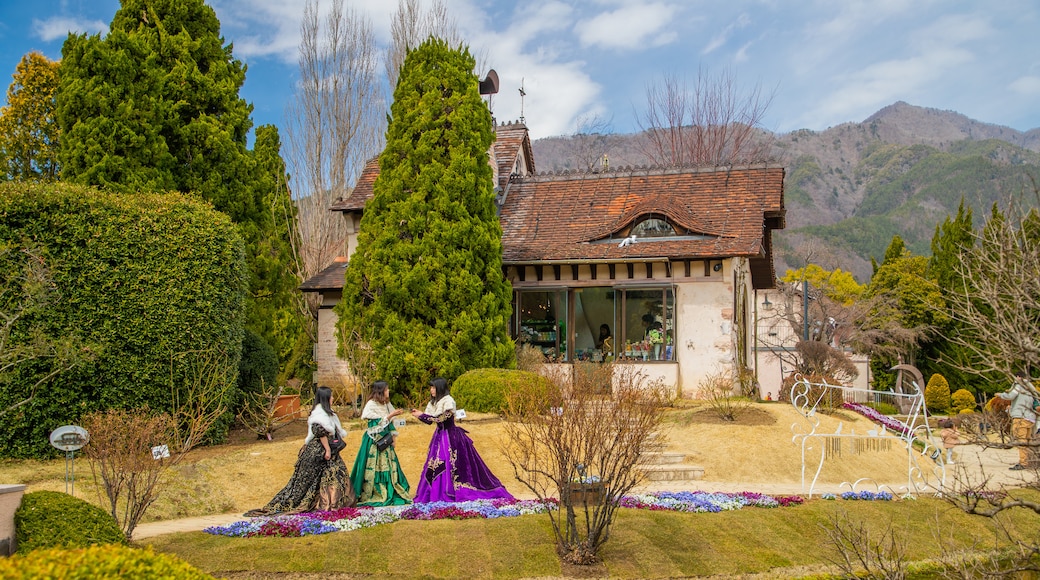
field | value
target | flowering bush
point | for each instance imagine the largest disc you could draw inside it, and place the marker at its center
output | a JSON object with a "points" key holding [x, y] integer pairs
{"points": [[655, 336]]}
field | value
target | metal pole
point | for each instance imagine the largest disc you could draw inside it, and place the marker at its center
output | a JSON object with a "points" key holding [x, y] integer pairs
{"points": [[805, 309]]}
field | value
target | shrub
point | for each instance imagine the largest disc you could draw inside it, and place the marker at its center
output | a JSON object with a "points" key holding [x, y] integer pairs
{"points": [[716, 388], [962, 401], [884, 408], [153, 281], [50, 519], [484, 390], [937, 394], [258, 369], [828, 398], [112, 561]]}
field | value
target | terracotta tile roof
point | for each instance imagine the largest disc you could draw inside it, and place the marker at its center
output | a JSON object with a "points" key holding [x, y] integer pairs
{"points": [[579, 216], [362, 191], [510, 138], [331, 278]]}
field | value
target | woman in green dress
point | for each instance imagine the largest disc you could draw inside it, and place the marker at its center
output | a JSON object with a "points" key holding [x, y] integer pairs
{"points": [[377, 475]]}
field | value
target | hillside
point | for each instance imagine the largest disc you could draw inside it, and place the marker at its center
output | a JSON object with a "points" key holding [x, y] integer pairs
{"points": [[852, 187]]}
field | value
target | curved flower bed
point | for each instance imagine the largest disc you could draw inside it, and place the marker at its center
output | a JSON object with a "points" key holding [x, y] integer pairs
{"points": [[346, 519], [873, 415], [702, 501]]}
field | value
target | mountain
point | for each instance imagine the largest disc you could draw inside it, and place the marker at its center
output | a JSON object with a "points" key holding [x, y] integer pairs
{"points": [[852, 187]]}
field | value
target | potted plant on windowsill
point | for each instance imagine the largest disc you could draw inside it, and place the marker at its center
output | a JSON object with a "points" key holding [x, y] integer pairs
{"points": [[656, 338]]}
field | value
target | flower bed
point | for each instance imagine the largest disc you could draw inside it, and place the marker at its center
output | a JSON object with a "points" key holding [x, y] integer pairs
{"points": [[861, 495], [345, 519], [873, 415], [701, 501]]}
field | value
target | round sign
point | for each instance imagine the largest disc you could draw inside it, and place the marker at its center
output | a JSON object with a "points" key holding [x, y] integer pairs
{"points": [[69, 437]]}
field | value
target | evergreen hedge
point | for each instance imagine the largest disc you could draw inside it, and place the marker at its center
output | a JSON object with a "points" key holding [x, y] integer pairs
{"points": [[153, 283], [112, 561], [484, 390], [51, 519]]}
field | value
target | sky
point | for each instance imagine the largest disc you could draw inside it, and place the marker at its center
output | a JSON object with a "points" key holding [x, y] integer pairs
{"points": [[824, 62]]}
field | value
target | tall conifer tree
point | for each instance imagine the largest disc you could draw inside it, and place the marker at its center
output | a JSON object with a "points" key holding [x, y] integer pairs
{"points": [[154, 106], [425, 287]]}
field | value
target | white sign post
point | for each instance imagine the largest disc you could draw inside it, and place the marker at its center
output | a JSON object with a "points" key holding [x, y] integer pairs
{"points": [[69, 438]]}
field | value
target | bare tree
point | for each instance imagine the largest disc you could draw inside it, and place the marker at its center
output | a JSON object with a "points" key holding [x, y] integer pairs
{"points": [[709, 123], [120, 454], [999, 303], [334, 124], [409, 26], [581, 442], [592, 138]]}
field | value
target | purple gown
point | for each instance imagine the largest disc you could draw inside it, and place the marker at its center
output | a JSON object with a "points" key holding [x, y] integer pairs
{"points": [[454, 470]]}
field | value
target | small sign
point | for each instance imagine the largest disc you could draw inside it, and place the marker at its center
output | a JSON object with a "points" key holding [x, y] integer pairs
{"points": [[460, 414], [400, 422], [69, 437], [160, 452], [557, 411]]}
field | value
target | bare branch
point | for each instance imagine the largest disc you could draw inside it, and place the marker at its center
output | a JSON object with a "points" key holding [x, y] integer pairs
{"points": [[710, 123]]}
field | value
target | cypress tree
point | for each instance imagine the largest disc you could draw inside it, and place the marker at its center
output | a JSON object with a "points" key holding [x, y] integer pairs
{"points": [[425, 287], [154, 106]]}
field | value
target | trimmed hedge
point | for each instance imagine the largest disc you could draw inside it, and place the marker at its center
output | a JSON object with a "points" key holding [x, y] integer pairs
{"points": [[937, 395], [963, 401], [50, 519], [484, 390], [151, 282], [111, 561]]}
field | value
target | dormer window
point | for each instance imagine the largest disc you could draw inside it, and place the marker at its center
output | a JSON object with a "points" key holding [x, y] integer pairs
{"points": [[653, 228]]}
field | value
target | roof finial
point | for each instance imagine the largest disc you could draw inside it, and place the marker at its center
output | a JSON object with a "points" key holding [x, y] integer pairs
{"points": [[522, 95]]}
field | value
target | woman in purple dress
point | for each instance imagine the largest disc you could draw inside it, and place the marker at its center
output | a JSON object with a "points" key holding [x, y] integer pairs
{"points": [[454, 470]]}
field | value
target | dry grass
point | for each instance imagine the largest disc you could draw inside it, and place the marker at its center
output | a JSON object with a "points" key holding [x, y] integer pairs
{"points": [[245, 473]]}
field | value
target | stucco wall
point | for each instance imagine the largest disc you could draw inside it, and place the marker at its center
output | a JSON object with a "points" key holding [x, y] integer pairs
{"points": [[331, 370], [704, 328]]}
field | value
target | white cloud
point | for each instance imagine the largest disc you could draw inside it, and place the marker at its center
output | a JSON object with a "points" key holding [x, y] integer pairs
{"points": [[628, 27], [726, 33], [1026, 86], [60, 27], [555, 79], [885, 82]]}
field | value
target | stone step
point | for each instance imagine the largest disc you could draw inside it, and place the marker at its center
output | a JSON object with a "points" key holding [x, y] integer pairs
{"points": [[661, 457], [676, 472]]}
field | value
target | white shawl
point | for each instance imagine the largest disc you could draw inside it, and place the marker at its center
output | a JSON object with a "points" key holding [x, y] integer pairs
{"points": [[436, 410], [374, 410], [331, 423]]}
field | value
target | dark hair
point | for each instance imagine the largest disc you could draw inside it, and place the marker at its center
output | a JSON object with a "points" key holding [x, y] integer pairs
{"points": [[323, 399], [440, 388], [648, 318], [603, 327], [378, 387]]}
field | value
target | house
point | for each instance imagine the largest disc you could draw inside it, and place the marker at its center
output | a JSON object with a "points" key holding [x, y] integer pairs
{"points": [[666, 261]]}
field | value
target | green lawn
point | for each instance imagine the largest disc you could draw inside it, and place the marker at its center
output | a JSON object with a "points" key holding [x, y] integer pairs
{"points": [[786, 542]]}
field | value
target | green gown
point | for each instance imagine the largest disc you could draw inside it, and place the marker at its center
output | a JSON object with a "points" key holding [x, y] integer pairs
{"points": [[377, 476]]}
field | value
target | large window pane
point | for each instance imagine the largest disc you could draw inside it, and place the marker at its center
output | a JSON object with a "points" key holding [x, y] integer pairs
{"points": [[543, 321], [649, 324], [594, 324]]}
